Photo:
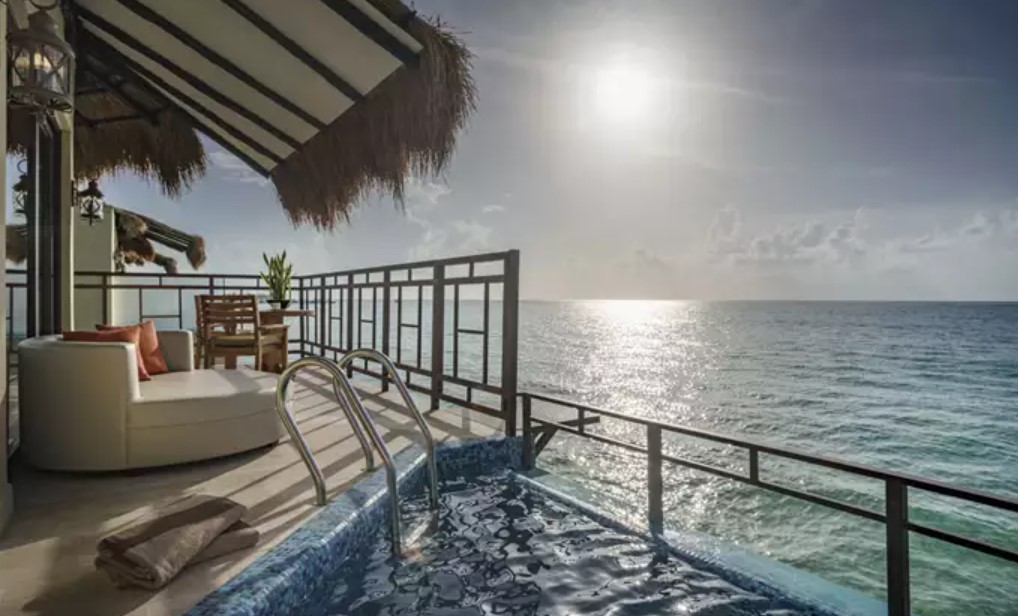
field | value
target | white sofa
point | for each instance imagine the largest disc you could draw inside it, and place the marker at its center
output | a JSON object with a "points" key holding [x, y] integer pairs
{"points": [[83, 408]]}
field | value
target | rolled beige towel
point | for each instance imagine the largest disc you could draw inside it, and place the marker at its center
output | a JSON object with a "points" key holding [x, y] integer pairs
{"points": [[150, 553]]}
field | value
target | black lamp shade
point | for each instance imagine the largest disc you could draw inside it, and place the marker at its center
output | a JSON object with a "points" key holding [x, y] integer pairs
{"points": [[90, 202], [41, 66]]}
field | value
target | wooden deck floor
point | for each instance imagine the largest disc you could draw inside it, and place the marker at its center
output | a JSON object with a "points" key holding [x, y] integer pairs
{"points": [[46, 556]]}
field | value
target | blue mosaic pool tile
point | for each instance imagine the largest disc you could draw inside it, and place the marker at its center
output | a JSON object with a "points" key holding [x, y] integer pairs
{"points": [[291, 573], [480, 457]]}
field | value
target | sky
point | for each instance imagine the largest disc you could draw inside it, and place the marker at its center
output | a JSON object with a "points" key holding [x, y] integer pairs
{"points": [[696, 149]]}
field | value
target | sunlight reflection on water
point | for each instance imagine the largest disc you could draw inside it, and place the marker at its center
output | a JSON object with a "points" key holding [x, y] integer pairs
{"points": [[925, 388]]}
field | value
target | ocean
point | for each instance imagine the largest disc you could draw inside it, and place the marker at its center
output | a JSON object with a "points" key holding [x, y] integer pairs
{"points": [[926, 388]]}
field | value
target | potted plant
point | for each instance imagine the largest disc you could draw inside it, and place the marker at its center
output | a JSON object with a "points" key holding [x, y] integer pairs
{"points": [[277, 278]]}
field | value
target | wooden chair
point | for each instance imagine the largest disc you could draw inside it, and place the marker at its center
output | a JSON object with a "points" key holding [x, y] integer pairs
{"points": [[230, 328]]}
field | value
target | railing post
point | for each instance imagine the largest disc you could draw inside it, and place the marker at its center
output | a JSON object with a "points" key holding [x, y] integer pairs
{"points": [[437, 334], [323, 317], [510, 335], [898, 592], [754, 465], [386, 323], [302, 304], [655, 485], [528, 435], [349, 321], [106, 299]]}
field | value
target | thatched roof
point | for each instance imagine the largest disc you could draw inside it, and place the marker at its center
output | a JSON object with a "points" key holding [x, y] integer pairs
{"points": [[407, 126], [121, 127], [404, 126], [166, 151]]}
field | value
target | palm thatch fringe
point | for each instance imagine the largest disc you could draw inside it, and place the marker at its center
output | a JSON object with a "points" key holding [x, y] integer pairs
{"points": [[17, 243], [138, 225], [407, 126], [135, 237], [167, 152], [136, 234]]}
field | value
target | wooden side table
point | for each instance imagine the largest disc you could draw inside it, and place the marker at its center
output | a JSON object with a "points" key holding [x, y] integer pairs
{"points": [[277, 361], [275, 316]]}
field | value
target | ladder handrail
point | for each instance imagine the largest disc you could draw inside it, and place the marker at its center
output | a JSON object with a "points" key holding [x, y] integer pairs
{"points": [[285, 378], [429, 439], [361, 422]]}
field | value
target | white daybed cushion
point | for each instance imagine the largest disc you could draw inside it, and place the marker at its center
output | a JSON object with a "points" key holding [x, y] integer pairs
{"points": [[199, 396]]}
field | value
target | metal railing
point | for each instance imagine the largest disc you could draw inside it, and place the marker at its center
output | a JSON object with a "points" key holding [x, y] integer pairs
{"points": [[537, 432], [113, 286], [387, 307], [402, 311], [361, 422]]}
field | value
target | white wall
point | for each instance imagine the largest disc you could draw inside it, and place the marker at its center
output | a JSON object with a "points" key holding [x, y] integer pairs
{"points": [[93, 252]]}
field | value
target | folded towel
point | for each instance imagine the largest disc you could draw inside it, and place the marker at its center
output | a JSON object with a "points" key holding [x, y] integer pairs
{"points": [[238, 537], [151, 553]]}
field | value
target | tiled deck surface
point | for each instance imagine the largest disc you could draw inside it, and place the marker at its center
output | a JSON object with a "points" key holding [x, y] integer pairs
{"points": [[46, 554]]}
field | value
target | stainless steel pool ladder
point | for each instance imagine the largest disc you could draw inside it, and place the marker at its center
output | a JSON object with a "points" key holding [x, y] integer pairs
{"points": [[360, 421]]}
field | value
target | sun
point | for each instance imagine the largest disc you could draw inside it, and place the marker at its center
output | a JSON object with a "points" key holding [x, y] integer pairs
{"points": [[624, 91]]}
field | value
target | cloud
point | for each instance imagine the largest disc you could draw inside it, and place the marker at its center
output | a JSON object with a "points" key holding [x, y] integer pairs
{"points": [[802, 244], [442, 239], [1002, 224], [997, 229], [235, 170], [814, 243], [472, 235], [459, 237], [727, 225], [423, 198], [492, 209]]}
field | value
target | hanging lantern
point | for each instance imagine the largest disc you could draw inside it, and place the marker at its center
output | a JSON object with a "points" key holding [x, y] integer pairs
{"points": [[90, 203], [20, 189], [41, 66]]}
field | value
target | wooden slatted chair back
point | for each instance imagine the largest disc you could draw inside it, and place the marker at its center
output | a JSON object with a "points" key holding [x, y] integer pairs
{"points": [[230, 312], [225, 317]]}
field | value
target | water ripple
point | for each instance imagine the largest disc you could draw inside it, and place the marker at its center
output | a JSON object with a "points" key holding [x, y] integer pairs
{"points": [[500, 548]]}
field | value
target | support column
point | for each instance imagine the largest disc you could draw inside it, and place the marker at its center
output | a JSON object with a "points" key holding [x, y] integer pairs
{"points": [[68, 217], [6, 493]]}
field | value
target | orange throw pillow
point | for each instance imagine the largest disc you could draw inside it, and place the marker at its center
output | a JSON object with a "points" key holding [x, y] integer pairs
{"points": [[121, 335], [148, 345]]}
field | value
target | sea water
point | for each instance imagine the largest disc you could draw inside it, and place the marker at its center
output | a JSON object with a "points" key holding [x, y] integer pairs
{"points": [[925, 388]]}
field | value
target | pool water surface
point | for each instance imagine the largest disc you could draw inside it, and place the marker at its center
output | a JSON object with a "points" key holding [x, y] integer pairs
{"points": [[498, 546]]}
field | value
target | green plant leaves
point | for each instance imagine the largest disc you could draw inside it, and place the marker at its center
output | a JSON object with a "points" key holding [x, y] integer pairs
{"points": [[278, 277]]}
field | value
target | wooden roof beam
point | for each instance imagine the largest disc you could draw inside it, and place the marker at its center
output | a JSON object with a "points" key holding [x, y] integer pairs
{"points": [[212, 56], [294, 49], [371, 29], [173, 68], [98, 45], [118, 87]]}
